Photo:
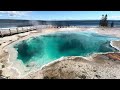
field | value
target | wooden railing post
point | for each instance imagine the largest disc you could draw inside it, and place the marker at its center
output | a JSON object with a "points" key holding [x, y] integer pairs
{"points": [[1, 33], [28, 29], [17, 30], [10, 32], [22, 29]]}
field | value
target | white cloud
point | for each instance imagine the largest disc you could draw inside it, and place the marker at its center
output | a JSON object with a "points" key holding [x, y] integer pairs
{"points": [[114, 17], [15, 13]]}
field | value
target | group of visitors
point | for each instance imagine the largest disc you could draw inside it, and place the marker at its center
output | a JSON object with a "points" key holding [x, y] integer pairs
{"points": [[104, 21]]}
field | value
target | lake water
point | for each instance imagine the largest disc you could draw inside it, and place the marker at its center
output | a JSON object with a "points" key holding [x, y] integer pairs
{"points": [[22, 23]]}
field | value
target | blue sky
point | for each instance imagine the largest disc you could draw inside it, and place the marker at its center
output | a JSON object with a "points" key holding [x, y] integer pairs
{"points": [[59, 15]]}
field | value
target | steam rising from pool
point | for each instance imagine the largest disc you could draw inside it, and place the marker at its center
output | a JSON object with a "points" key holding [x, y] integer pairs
{"points": [[46, 48]]}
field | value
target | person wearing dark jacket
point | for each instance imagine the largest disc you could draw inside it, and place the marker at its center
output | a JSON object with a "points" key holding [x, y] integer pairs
{"points": [[112, 24]]}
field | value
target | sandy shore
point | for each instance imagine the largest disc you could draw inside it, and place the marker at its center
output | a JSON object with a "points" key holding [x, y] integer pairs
{"points": [[94, 66]]}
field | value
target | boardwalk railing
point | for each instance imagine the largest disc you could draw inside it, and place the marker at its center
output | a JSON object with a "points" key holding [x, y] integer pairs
{"points": [[12, 31], [17, 30]]}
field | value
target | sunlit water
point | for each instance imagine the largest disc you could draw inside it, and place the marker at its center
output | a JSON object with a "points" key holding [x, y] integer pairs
{"points": [[46, 48]]}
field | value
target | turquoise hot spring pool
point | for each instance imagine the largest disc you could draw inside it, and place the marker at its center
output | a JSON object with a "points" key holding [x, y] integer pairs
{"points": [[46, 48]]}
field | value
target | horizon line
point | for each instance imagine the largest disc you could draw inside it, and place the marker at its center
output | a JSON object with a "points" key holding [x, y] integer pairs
{"points": [[57, 20]]}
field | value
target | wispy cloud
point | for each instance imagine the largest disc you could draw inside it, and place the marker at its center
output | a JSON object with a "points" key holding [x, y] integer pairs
{"points": [[15, 13], [114, 17]]}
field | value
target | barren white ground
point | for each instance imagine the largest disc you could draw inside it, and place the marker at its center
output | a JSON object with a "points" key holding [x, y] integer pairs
{"points": [[96, 66]]}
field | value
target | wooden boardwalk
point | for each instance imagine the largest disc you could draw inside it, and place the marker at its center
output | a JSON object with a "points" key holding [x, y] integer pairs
{"points": [[12, 31], [17, 30]]}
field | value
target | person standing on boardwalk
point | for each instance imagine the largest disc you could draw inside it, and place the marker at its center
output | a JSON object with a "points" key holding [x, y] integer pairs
{"points": [[112, 24]]}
